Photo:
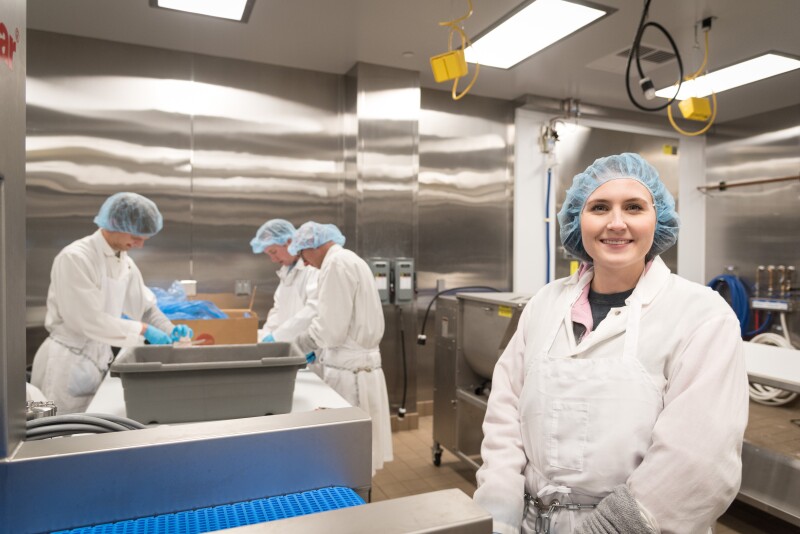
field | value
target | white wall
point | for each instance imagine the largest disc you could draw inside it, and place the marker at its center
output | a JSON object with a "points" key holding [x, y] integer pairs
{"points": [[530, 183], [692, 209]]}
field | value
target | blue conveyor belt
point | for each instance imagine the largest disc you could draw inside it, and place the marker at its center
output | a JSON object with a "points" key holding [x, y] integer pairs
{"points": [[231, 515]]}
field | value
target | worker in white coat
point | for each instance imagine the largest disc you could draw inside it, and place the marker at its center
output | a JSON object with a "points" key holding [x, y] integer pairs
{"points": [[349, 326], [295, 300], [621, 401], [94, 282]]}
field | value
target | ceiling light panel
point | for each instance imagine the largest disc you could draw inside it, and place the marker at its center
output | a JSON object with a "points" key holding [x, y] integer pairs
{"points": [[238, 10], [531, 29], [742, 73]]}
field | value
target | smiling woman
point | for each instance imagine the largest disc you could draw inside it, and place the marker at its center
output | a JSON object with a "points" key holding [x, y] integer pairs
{"points": [[617, 229], [593, 423]]}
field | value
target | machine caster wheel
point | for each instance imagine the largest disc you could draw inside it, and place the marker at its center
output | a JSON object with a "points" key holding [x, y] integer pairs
{"points": [[437, 454]]}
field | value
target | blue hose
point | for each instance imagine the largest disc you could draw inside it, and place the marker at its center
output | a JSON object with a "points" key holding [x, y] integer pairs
{"points": [[740, 302], [547, 226]]}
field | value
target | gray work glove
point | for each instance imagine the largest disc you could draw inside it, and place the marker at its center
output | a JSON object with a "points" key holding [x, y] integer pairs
{"points": [[617, 513]]}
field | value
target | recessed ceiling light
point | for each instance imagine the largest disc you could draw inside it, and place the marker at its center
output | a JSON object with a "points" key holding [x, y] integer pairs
{"points": [[407, 54], [742, 73], [530, 28], [238, 10]]}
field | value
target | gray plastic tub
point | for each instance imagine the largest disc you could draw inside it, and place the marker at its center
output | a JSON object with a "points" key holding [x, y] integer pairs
{"points": [[166, 384]]}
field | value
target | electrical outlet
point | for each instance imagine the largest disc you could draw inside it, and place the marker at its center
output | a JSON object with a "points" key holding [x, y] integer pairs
{"points": [[243, 287]]}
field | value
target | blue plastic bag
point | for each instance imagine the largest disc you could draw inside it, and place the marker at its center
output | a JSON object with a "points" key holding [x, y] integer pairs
{"points": [[175, 305]]}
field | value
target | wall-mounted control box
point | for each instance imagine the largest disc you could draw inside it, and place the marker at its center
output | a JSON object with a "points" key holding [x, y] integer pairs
{"points": [[380, 270], [403, 270]]}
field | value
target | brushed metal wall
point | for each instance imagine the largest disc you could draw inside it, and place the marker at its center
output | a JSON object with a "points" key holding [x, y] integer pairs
{"points": [[760, 224], [579, 146], [220, 146], [465, 203], [12, 233], [266, 144], [380, 211]]}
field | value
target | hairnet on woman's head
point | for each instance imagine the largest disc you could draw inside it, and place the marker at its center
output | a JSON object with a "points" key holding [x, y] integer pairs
{"points": [[603, 170], [272, 232], [312, 235], [131, 214]]}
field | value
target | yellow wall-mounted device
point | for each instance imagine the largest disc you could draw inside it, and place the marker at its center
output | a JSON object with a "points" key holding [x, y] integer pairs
{"points": [[695, 109], [449, 65]]}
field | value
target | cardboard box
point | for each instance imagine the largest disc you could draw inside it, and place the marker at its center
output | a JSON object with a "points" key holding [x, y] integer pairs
{"points": [[240, 328]]}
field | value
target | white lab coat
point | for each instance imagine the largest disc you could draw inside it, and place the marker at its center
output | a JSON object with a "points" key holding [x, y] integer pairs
{"points": [[90, 289], [349, 326], [655, 398], [295, 302]]}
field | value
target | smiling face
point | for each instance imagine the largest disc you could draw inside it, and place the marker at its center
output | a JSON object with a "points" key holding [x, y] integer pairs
{"points": [[120, 241], [618, 223], [280, 254]]}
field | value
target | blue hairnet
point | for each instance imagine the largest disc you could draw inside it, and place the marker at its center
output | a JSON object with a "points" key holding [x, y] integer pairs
{"points": [[272, 232], [131, 214], [312, 235], [625, 165]]}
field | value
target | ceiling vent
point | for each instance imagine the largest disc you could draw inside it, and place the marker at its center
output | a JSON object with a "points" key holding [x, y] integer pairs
{"points": [[650, 56]]}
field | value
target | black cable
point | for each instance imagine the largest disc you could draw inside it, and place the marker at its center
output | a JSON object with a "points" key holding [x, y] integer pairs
{"points": [[421, 337], [634, 52], [401, 412]]}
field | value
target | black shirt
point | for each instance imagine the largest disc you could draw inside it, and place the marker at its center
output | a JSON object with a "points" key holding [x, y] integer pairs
{"points": [[601, 304]]}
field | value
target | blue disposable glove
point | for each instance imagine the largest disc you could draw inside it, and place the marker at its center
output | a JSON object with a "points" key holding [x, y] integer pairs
{"points": [[180, 331], [156, 336], [268, 339], [311, 357]]}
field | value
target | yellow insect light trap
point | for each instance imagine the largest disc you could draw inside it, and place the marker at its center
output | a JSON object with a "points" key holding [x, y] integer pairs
{"points": [[695, 109], [449, 66], [452, 65]]}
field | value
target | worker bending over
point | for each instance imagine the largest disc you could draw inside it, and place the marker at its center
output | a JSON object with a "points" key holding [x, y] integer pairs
{"points": [[94, 282], [295, 300]]}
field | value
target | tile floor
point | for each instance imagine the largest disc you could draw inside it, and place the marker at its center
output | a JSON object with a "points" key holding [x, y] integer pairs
{"points": [[412, 472]]}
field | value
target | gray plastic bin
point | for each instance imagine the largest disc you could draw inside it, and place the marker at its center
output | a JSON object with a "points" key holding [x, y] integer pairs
{"points": [[166, 384]]}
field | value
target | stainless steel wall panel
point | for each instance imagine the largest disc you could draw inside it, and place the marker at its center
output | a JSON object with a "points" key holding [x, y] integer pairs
{"points": [[755, 225], [579, 146], [219, 145], [387, 164], [465, 202], [12, 234], [103, 118], [266, 144], [381, 146], [465, 191]]}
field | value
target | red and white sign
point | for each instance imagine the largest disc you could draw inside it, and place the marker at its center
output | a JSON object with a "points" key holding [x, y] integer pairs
{"points": [[7, 46]]}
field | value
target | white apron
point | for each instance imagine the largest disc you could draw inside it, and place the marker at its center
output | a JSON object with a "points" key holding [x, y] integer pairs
{"points": [[68, 368], [357, 376], [586, 422]]}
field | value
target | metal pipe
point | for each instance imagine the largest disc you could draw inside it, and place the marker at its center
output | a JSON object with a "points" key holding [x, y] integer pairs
{"points": [[759, 272], [781, 279], [789, 276], [770, 275], [723, 185]]}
